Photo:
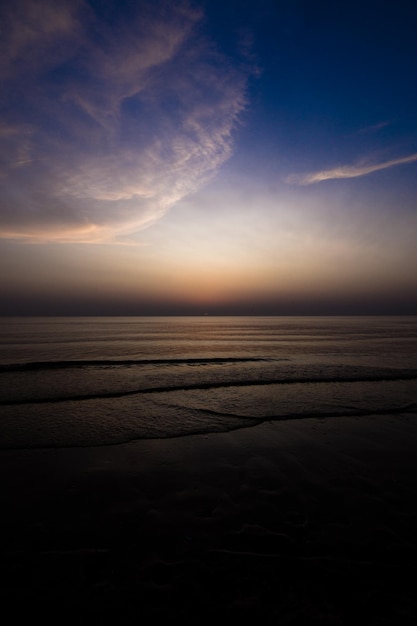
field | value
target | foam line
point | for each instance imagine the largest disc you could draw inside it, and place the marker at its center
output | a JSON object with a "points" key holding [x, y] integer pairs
{"points": [[396, 375]]}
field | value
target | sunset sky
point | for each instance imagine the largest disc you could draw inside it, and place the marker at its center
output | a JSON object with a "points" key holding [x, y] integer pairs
{"points": [[221, 157]]}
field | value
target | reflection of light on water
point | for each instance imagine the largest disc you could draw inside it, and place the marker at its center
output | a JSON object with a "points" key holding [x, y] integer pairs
{"points": [[112, 380]]}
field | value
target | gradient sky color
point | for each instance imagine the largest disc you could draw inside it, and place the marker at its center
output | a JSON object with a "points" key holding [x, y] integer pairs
{"points": [[221, 157]]}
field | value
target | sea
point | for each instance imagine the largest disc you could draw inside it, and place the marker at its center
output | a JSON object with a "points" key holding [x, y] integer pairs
{"points": [[95, 381]]}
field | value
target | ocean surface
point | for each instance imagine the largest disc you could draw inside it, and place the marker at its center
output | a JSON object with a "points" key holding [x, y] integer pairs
{"points": [[107, 380]]}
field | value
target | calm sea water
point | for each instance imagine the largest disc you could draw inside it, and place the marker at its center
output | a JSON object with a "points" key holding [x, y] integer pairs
{"points": [[95, 381]]}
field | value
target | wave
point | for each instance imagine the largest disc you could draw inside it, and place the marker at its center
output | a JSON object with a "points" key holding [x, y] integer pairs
{"points": [[410, 407], [373, 376], [56, 365], [226, 423]]}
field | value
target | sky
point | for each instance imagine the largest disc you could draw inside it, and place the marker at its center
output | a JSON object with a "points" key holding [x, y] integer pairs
{"points": [[218, 157]]}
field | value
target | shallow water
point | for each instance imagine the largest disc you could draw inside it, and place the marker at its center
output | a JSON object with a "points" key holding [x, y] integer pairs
{"points": [[96, 381]]}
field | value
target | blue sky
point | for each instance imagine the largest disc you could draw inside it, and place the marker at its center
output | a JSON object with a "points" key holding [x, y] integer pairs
{"points": [[223, 157]]}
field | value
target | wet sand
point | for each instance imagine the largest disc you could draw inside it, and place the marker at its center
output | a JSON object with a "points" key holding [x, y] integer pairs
{"points": [[300, 522]]}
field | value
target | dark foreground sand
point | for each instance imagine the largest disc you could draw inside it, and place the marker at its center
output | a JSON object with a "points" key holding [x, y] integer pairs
{"points": [[302, 522]]}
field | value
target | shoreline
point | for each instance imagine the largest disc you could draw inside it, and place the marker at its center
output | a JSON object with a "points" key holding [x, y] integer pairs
{"points": [[312, 520]]}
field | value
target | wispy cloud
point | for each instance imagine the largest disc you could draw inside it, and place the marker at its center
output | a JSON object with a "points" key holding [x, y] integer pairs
{"points": [[373, 128], [108, 123], [347, 171]]}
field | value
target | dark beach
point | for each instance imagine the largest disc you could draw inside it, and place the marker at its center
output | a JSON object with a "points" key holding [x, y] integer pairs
{"points": [[300, 522]]}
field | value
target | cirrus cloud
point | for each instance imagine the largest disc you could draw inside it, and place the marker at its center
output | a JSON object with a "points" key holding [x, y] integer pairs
{"points": [[347, 171], [109, 119]]}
